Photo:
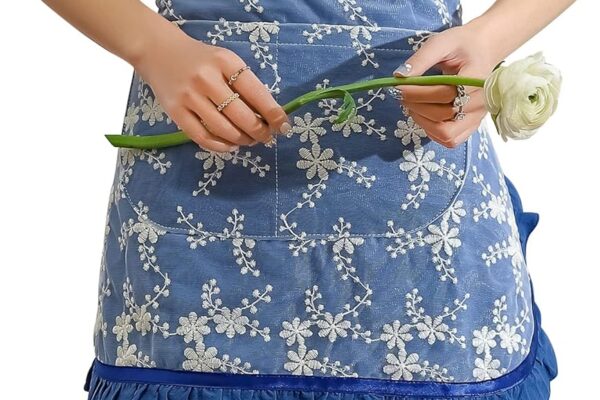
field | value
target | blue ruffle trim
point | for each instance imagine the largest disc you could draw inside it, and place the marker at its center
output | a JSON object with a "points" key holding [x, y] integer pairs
{"points": [[530, 381]]}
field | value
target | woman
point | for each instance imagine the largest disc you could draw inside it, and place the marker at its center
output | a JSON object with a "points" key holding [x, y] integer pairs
{"points": [[384, 255]]}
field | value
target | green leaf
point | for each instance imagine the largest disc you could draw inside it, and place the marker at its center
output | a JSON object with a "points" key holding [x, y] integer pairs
{"points": [[347, 109]]}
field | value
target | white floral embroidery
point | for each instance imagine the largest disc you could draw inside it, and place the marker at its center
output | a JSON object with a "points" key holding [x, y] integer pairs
{"points": [[409, 132], [242, 247], [259, 35], [217, 161], [360, 36]]}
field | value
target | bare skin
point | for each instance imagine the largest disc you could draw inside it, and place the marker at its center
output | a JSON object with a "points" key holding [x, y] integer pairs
{"points": [[188, 76], [473, 50]]}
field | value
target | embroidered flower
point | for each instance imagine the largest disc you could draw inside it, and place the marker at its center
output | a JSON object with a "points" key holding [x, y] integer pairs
{"points": [[213, 158], [122, 326], [131, 118], [126, 355], [308, 128], [142, 320], [231, 322], [509, 338], [352, 124], [456, 212], [402, 366], [192, 327], [443, 237], [316, 162], [146, 230], [332, 327], [432, 329], [486, 368], [484, 340], [419, 164], [152, 111], [303, 362], [295, 331], [260, 30], [396, 334], [347, 243], [201, 359], [408, 131]]}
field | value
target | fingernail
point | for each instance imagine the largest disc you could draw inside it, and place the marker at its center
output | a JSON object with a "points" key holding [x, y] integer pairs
{"points": [[403, 70], [285, 127]]}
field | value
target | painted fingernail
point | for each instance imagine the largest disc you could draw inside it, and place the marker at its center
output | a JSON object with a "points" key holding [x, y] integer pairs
{"points": [[403, 70], [285, 127]]}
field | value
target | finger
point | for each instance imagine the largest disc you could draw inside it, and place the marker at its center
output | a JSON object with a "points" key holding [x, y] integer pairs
{"points": [[445, 112], [189, 122], [445, 132], [217, 123], [431, 94], [431, 53], [256, 94], [236, 111]]}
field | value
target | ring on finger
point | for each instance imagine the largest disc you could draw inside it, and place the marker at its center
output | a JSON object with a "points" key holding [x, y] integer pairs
{"points": [[228, 101], [237, 73], [461, 101]]}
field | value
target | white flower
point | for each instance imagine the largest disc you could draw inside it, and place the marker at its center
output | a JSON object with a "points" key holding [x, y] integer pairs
{"points": [[213, 158], [396, 334], [231, 322], [483, 340], [509, 338], [303, 362], [126, 355], [192, 327], [131, 118], [316, 162], [295, 331], [332, 327], [347, 244], [432, 329], [403, 366], [152, 111], [122, 326], [486, 368], [352, 124], [142, 320], [522, 96], [408, 131], [201, 359], [308, 128], [443, 237], [419, 164]]}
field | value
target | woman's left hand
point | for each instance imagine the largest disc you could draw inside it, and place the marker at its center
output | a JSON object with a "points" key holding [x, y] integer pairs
{"points": [[455, 51]]}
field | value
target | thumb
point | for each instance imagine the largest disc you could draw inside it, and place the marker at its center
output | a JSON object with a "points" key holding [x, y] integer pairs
{"points": [[432, 52]]}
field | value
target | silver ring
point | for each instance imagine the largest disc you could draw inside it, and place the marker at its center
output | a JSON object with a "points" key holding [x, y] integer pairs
{"points": [[235, 75], [460, 101], [227, 101], [395, 93]]}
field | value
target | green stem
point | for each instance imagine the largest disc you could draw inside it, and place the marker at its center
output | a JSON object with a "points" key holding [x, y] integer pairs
{"points": [[179, 137]]}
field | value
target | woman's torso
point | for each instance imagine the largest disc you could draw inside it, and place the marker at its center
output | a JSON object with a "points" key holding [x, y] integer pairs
{"points": [[376, 247]]}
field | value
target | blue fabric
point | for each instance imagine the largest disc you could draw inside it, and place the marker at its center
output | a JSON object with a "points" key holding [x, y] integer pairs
{"points": [[362, 251]]}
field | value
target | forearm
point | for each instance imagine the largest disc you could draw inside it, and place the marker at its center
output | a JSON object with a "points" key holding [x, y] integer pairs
{"points": [[508, 24], [126, 28]]}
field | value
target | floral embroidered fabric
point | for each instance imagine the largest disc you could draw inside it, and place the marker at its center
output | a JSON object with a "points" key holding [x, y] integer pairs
{"points": [[360, 250]]}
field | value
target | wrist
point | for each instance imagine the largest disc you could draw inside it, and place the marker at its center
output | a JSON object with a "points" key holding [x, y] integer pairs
{"points": [[487, 40]]}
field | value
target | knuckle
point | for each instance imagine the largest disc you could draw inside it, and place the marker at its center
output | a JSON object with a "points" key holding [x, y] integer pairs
{"points": [[224, 56]]}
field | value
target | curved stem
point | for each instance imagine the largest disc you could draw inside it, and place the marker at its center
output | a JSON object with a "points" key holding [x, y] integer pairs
{"points": [[179, 137]]}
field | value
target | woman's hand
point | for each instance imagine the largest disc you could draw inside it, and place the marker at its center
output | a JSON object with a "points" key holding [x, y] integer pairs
{"points": [[454, 51], [190, 78]]}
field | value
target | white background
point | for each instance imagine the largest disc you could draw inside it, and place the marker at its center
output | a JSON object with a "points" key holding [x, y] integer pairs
{"points": [[60, 93]]}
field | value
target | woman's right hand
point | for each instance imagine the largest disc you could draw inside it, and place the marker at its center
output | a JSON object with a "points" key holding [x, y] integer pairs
{"points": [[190, 78]]}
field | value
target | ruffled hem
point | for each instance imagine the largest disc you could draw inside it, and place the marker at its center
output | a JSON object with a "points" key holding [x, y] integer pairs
{"points": [[530, 381], [535, 386]]}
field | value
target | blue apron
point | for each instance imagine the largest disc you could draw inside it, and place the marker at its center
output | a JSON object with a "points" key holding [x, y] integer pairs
{"points": [[356, 258]]}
